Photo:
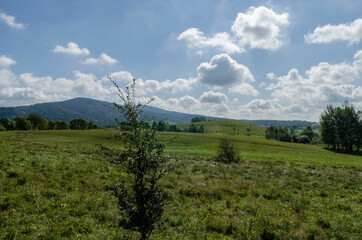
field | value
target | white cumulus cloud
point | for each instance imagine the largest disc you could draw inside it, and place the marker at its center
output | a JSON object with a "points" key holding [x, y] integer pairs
{"points": [[21, 96], [72, 49], [10, 21], [28, 89], [306, 95], [213, 97], [7, 77], [222, 70], [6, 61], [244, 89], [144, 87], [121, 76], [350, 32], [222, 41], [259, 27], [189, 104], [102, 59]]}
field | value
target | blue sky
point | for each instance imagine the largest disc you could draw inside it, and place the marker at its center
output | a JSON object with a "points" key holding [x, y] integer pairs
{"points": [[231, 58]]}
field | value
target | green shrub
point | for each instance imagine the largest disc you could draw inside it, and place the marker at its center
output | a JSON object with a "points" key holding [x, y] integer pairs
{"points": [[304, 139], [227, 152], [140, 196]]}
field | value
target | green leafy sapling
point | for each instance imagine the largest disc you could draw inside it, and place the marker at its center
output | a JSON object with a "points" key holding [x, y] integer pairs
{"points": [[140, 196]]}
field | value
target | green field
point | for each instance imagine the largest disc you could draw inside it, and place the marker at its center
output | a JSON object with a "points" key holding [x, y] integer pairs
{"points": [[53, 185], [230, 127]]}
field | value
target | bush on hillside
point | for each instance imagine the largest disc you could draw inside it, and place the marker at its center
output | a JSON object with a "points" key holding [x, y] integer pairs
{"points": [[61, 125], [198, 119], [51, 125], [78, 124], [227, 152], [304, 139], [37, 121], [22, 123], [7, 123]]}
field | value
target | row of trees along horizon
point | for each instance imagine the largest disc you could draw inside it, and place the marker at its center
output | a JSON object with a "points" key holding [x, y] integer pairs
{"points": [[35, 121], [163, 126], [340, 129]]}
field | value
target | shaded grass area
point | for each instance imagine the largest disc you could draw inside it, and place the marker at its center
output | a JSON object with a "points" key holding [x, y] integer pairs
{"points": [[53, 185]]}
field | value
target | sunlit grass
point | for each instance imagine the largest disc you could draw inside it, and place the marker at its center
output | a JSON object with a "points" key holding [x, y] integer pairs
{"points": [[229, 127], [53, 185]]}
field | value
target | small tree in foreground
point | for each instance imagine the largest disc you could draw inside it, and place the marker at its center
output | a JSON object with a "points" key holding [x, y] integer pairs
{"points": [[227, 152], [140, 196]]}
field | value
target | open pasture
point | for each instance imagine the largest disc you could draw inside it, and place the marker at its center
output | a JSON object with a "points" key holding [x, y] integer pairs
{"points": [[53, 184]]}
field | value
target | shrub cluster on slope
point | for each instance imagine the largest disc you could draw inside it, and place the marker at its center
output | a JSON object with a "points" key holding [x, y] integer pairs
{"points": [[308, 135]]}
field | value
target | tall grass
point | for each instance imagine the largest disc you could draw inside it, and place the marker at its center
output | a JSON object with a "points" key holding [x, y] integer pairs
{"points": [[54, 185]]}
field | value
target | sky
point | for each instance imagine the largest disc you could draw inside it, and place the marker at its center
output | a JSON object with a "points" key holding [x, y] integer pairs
{"points": [[280, 60]]}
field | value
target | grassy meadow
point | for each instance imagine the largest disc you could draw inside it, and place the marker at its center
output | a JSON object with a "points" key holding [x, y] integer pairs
{"points": [[230, 127], [53, 185]]}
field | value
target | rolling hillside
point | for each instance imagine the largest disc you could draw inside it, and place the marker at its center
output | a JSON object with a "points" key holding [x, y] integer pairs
{"points": [[230, 127], [101, 112]]}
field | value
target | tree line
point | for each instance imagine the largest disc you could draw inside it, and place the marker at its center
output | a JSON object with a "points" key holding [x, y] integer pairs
{"points": [[163, 126], [284, 134], [35, 121], [341, 127]]}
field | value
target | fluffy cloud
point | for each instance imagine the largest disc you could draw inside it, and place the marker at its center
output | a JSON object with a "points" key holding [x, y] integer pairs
{"points": [[23, 89], [213, 97], [6, 61], [151, 86], [222, 70], [7, 78], [244, 89], [182, 104], [189, 104], [337, 73], [270, 76], [72, 49], [221, 41], [260, 105], [219, 109], [102, 59], [259, 27], [20, 96], [350, 32], [121, 76], [27, 89], [306, 96], [10, 21]]}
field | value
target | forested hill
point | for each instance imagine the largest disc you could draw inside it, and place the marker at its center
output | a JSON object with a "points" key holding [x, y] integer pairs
{"points": [[103, 113], [295, 124]]}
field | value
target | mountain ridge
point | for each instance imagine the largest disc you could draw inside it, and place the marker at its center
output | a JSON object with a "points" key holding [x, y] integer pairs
{"points": [[101, 112], [104, 114]]}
